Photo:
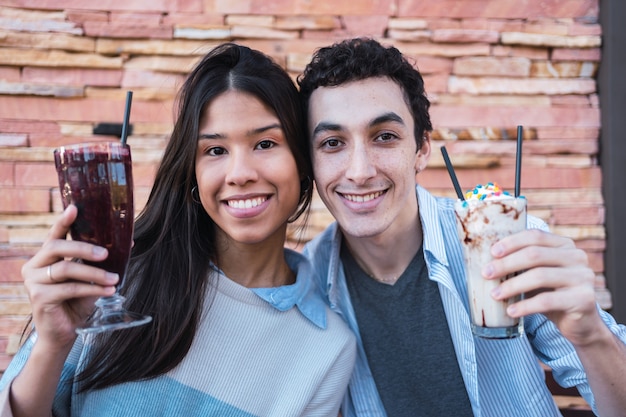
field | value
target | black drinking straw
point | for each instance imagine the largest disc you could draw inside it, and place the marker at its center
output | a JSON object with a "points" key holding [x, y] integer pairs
{"points": [[455, 182], [129, 99], [518, 161]]}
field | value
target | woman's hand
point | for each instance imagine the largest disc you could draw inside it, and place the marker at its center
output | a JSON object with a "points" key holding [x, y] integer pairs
{"points": [[62, 292]]}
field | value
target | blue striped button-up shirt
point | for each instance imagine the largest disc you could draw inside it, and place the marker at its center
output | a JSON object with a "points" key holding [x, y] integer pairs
{"points": [[502, 377]]}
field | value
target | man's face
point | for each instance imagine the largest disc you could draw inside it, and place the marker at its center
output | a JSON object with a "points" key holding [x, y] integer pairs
{"points": [[365, 156]]}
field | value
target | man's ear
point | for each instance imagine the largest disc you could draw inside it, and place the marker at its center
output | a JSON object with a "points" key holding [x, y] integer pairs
{"points": [[423, 154]]}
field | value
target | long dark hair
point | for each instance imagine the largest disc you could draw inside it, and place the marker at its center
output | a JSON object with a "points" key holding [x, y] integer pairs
{"points": [[361, 58], [168, 275]]}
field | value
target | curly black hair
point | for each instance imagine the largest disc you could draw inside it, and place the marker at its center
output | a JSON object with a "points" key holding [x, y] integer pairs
{"points": [[360, 58]]}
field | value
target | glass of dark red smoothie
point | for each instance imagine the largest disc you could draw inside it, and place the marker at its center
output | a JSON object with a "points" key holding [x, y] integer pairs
{"points": [[97, 178]]}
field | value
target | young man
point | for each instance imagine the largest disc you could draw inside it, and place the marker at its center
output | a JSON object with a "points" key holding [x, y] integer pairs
{"points": [[393, 265]]}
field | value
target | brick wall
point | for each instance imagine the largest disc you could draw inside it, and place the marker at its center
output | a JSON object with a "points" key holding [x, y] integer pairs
{"points": [[489, 66]]}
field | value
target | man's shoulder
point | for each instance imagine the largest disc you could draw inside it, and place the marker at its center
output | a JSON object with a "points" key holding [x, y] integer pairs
{"points": [[322, 242]]}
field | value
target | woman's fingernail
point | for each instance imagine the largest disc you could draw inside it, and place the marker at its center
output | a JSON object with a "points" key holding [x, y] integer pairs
{"points": [[112, 277], [99, 251]]}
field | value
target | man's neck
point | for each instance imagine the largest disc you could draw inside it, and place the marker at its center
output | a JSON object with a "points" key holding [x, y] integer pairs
{"points": [[386, 256]]}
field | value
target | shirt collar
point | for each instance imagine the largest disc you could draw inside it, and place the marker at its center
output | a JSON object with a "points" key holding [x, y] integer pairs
{"points": [[303, 294], [434, 242]]}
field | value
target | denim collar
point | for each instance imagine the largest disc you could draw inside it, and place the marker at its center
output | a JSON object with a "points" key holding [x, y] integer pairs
{"points": [[303, 294]]}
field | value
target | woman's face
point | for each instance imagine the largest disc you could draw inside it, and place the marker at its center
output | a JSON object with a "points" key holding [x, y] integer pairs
{"points": [[247, 176]]}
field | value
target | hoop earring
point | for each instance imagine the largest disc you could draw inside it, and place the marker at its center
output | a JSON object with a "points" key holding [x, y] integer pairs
{"points": [[195, 195]]}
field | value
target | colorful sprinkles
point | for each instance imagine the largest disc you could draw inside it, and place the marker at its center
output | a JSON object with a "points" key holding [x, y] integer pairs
{"points": [[489, 190]]}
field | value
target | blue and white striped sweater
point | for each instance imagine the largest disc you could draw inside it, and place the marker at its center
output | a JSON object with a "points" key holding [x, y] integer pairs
{"points": [[248, 359]]}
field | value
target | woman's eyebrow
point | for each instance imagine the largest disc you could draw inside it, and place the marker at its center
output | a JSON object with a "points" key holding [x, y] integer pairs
{"points": [[251, 132]]}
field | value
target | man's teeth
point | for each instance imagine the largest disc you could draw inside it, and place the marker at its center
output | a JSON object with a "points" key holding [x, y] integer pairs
{"points": [[249, 203], [362, 198]]}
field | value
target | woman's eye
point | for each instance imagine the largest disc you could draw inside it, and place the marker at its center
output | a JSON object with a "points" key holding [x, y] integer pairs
{"points": [[216, 151], [265, 144]]}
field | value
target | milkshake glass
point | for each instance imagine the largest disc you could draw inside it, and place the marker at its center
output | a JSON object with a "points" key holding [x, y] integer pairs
{"points": [[487, 215]]}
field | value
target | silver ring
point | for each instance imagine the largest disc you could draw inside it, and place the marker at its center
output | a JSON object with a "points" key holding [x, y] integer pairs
{"points": [[49, 273]]}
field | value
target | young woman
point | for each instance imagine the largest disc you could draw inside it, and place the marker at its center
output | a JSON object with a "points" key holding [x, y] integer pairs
{"points": [[239, 328]]}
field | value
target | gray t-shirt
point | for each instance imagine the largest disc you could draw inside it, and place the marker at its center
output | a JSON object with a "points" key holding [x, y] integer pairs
{"points": [[407, 342]]}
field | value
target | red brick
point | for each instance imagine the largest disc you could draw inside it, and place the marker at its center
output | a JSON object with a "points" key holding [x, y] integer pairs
{"points": [[190, 19], [141, 78], [509, 9], [454, 116], [591, 244], [576, 29], [194, 6], [150, 19], [11, 269], [136, 5], [570, 54], [566, 132], [12, 325], [110, 30], [81, 110], [43, 140], [143, 173], [15, 200], [436, 83], [82, 16], [18, 126], [522, 86], [561, 146], [509, 67], [547, 178], [465, 35], [31, 174], [546, 27], [73, 76], [570, 101], [302, 7], [520, 51], [7, 173], [10, 74], [443, 23], [596, 261], [578, 215], [499, 25], [432, 64], [364, 25]]}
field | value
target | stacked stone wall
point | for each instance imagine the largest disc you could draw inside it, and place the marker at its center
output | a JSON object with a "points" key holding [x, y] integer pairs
{"points": [[489, 65]]}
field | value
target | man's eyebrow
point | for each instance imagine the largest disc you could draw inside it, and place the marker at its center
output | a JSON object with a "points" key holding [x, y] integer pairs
{"points": [[325, 127], [387, 117], [249, 133]]}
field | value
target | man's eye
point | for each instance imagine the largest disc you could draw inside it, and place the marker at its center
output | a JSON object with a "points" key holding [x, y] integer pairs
{"points": [[386, 137], [331, 143]]}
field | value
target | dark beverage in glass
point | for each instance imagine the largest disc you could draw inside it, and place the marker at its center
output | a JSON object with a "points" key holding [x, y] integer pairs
{"points": [[97, 178]]}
